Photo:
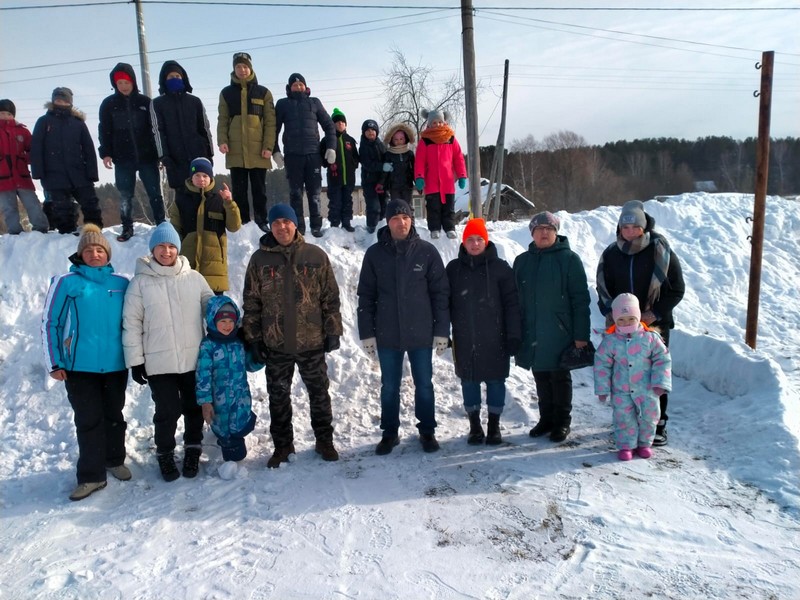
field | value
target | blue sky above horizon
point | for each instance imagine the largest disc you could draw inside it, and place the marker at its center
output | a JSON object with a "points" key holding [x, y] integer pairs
{"points": [[604, 74]]}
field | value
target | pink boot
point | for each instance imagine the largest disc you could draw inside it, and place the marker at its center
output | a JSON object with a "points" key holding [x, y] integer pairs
{"points": [[644, 452], [625, 454]]}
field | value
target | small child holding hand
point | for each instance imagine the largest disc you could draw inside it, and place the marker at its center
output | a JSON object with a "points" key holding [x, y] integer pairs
{"points": [[634, 367]]}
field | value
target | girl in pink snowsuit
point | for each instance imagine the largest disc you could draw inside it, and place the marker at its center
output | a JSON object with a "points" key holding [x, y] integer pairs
{"points": [[438, 163], [632, 365]]}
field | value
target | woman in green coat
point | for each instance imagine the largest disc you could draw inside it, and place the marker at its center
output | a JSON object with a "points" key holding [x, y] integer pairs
{"points": [[554, 298]]}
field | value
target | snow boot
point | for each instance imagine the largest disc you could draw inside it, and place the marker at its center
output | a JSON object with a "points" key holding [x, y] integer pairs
{"points": [[644, 452], [625, 454], [540, 429], [120, 472], [166, 462], [191, 461], [280, 455], [429, 443], [326, 450], [493, 437], [661, 434], [451, 235], [387, 444], [434, 235], [476, 435], [559, 434], [127, 233], [349, 228], [84, 490]]}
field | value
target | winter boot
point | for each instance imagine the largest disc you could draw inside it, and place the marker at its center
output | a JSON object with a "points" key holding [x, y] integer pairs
{"points": [[84, 490], [429, 443], [540, 429], [476, 436], [348, 227], [661, 434], [625, 454], [191, 461], [387, 444], [451, 235], [127, 233], [434, 235], [493, 437], [326, 450], [121, 472], [644, 452], [166, 462], [280, 455], [559, 434]]}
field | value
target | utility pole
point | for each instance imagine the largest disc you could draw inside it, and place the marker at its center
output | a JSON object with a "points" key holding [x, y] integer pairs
{"points": [[501, 146], [760, 206], [471, 99], [148, 90]]}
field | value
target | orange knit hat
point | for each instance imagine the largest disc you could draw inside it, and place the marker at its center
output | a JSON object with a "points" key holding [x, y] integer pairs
{"points": [[475, 227]]}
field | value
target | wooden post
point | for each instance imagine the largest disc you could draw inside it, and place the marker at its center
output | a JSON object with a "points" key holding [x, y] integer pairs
{"points": [[471, 101], [501, 147], [760, 206]]}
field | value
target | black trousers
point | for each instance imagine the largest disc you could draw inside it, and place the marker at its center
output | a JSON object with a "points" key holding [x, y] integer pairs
{"points": [[257, 180], [97, 400], [64, 217], [305, 170], [554, 389], [174, 395], [440, 215], [340, 204], [663, 399], [314, 373]]}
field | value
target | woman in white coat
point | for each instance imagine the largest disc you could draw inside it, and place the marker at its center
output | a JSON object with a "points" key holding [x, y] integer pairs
{"points": [[162, 330]]}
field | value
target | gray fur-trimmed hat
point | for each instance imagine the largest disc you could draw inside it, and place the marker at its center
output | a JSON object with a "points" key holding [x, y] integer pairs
{"points": [[633, 214], [62, 93], [436, 114]]}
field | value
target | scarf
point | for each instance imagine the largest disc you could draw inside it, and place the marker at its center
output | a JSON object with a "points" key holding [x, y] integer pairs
{"points": [[401, 149], [438, 135]]}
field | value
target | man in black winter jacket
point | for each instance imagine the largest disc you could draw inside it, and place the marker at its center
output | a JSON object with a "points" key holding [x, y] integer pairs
{"points": [[300, 114], [127, 135]]}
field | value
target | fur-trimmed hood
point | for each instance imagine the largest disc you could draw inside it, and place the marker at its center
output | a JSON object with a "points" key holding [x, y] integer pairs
{"points": [[387, 139], [74, 111]]}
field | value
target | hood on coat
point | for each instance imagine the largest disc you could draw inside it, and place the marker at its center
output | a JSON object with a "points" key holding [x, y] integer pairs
{"points": [[74, 111], [125, 68], [387, 139], [167, 68], [214, 304]]}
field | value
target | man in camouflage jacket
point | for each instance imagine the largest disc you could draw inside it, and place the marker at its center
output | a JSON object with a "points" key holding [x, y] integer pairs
{"points": [[291, 317]]}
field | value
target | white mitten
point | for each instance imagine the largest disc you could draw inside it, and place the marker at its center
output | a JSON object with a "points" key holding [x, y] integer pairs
{"points": [[370, 348], [278, 158], [330, 156], [440, 343]]}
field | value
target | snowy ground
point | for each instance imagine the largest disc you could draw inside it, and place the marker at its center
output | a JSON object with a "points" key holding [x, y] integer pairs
{"points": [[716, 514]]}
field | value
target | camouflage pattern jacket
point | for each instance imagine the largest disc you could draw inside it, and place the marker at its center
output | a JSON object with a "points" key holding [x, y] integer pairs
{"points": [[290, 298]]}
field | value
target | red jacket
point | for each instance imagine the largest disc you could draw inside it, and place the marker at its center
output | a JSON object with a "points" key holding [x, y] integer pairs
{"points": [[15, 147], [439, 165]]}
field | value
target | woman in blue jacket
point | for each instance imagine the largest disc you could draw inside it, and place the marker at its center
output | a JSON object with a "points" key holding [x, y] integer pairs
{"points": [[82, 336]]}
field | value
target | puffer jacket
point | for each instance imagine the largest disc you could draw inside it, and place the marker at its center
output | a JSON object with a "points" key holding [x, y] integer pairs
{"points": [[163, 316], [290, 297], [344, 174], [15, 148], [246, 123], [62, 150], [439, 165], [301, 115], [222, 367], [484, 312], [554, 297], [201, 219], [127, 130], [370, 154], [403, 294], [632, 364], [401, 177], [82, 319]]}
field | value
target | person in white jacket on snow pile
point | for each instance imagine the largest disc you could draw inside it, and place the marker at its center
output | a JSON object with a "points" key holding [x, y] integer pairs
{"points": [[162, 330]]}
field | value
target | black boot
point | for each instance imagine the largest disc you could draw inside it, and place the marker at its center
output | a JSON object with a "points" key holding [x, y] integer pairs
{"points": [[166, 463], [191, 461], [493, 436], [476, 436]]}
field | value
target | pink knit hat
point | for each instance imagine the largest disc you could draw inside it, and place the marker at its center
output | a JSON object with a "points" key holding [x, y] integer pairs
{"points": [[626, 305]]}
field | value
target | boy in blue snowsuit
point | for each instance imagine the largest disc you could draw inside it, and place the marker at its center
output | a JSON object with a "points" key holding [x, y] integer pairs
{"points": [[222, 389]]}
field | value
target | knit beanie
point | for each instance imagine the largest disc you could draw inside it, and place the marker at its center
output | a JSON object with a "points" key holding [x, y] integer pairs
{"points": [[296, 77], [398, 207], [633, 214], [202, 165], [544, 218], [370, 124], [226, 311], [62, 93], [92, 236], [475, 227], [282, 211], [7, 105], [242, 58], [338, 115], [626, 305], [165, 234], [435, 114]]}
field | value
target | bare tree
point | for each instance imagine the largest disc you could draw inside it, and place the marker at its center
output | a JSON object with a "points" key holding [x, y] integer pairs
{"points": [[409, 88]]}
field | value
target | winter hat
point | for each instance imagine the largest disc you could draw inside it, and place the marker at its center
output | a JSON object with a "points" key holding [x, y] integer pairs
{"points": [[121, 75], [7, 105], [398, 207], [337, 116], [92, 236], [202, 165], [475, 227], [544, 218], [626, 305], [633, 214], [242, 58], [435, 114], [165, 234], [282, 211], [296, 77], [62, 93], [370, 124], [226, 311]]}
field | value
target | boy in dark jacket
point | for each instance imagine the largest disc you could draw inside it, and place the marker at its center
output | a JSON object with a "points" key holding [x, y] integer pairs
{"points": [[371, 152], [398, 163], [341, 174], [127, 135], [487, 328], [64, 159], [301, 115]]}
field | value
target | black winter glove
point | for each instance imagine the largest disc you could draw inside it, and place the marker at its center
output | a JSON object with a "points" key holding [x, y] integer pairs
{"points": [[512, 346], [331, 343], [139, 374], [260, 352]]}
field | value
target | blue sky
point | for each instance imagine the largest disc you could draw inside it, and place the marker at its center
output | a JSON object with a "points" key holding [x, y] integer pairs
{"points": [[604, 74]]}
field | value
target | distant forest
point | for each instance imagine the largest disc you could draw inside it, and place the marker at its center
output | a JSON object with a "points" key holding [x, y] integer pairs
{"points": [[563, 172]]}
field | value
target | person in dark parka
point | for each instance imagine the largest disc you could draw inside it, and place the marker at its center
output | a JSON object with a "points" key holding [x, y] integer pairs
{"points": [[641, 262], [63, 157], [403, 299], [127, 134], [300, 115], [485, 315], [371, 153], [341, 174], [554, 297], [183, 128]]}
